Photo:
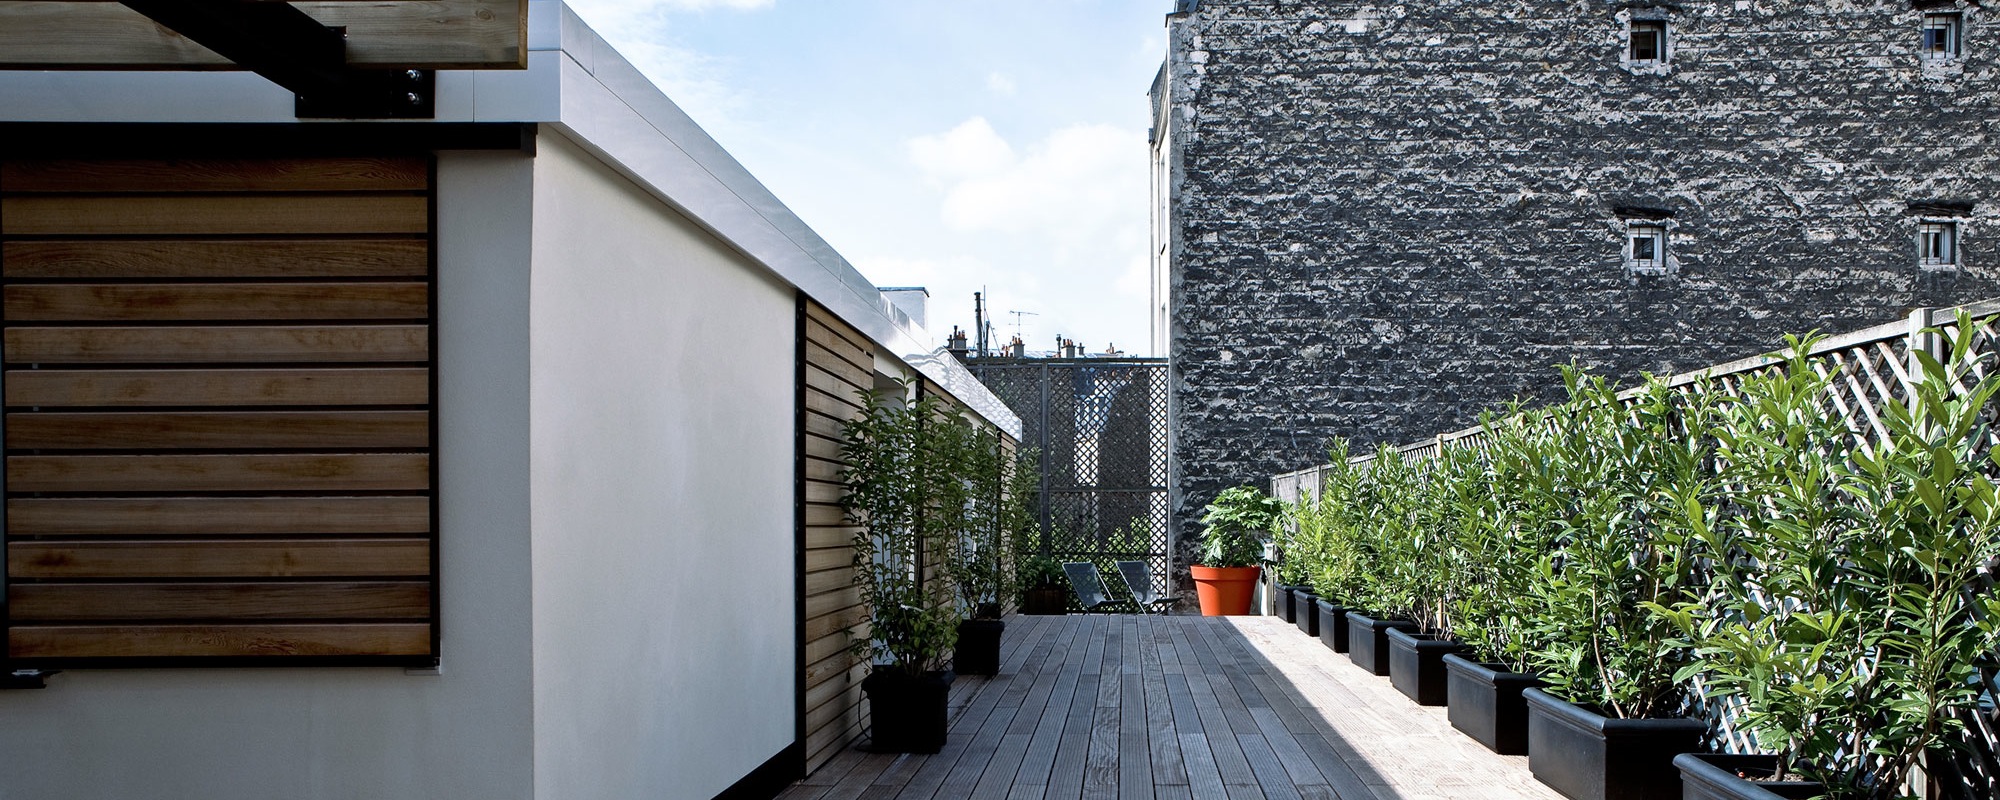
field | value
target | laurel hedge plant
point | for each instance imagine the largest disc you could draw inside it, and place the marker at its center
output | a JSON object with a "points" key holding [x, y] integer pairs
{"points": [[1822, 575]]}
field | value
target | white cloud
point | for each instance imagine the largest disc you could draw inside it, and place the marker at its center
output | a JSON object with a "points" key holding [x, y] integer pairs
{"points": [[1000, 84], [642, 31], [1062, 222]]}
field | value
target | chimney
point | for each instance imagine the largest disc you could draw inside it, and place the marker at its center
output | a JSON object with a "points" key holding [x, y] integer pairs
{"points": [[957, 343], [1017, 348], [1070, 350]]}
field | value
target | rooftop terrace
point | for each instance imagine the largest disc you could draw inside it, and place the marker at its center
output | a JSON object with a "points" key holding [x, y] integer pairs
{"points": [[1090, 706]]}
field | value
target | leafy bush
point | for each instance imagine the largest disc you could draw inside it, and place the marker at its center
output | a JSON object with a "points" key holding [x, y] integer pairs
{"points": [[1238, 522], [899, 476]]}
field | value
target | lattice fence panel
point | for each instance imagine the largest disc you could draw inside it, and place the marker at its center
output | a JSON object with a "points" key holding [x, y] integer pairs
{"points": [[1100, 428]]}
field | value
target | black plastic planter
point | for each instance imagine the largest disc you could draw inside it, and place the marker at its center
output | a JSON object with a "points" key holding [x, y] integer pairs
{"points": [[1333, 625], [907, 713], [1486, 704], [978, 651], [1588, 756], [1287, 602], [1308, 618], [1045, 600], [1416, 665], [1712, 776], [1368, 640]]}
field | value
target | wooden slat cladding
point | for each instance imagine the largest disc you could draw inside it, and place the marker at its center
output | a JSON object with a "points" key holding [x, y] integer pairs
{"points": [[230, 387], [839, 365], [158, 259], [428, 34], [219, 415]]}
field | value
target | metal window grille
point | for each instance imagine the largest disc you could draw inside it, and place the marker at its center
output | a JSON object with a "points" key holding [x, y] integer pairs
{"points": [[1941, 34], [1648, 40], [1937, 245]]}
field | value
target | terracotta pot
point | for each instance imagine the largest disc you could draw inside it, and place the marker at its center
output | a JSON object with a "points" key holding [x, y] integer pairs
{"points": [[1224, 591]]}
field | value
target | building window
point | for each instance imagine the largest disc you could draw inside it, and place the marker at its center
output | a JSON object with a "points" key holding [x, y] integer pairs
{"points": [[1937, 244], [1942, 32], [1646, 247], [1648, 43]]}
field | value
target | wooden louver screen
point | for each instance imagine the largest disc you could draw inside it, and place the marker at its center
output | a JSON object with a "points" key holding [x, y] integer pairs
{"points": [[218, 421]]}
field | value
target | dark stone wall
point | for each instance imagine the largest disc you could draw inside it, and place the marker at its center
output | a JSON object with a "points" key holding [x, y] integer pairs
{"points": [[1388, 216]]}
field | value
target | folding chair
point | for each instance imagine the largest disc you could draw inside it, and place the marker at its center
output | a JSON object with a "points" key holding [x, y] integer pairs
{"points": [[1089, 586], [1138, 577]]}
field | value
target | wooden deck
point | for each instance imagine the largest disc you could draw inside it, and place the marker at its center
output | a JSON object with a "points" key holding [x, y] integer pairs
{"points": [[1180, 707]]}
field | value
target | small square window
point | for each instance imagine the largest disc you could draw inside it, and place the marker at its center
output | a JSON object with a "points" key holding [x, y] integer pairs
{"points": [[1648, 40], [1941, 36], [1937, 245], [1646, 246]]}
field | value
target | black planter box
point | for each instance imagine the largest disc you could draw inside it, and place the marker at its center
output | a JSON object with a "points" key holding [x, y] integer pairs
{"points": [[1486, 704], [1308, 613], [907, 714], [1368, 640], [1416, 665], [1045, 601], [1712, 776], [978, 650], [1333, 625], [1287, 603], [1588, 756]]}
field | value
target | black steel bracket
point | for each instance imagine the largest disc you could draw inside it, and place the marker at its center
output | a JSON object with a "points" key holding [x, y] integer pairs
{"points": [[291, 49], [26, 679]]}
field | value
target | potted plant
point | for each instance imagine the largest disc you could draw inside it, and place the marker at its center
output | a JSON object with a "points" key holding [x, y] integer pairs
{"points": [[1504, 539], [1237, 523], [1842, 622], [1384, 502], [1424, 554], [1325, 536], [1292, 570], [1623, 472], [1042, 589], [893, 455], [988, 492]]}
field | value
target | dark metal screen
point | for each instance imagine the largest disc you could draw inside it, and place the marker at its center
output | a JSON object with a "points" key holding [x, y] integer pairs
{"points": [[1100, 426]]}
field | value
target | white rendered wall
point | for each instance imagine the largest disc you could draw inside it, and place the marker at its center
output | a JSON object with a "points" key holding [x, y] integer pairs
{"points": [[662, 399], [256, 734]]}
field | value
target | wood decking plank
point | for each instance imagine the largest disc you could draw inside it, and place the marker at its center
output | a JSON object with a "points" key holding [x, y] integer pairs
{"points": [[1085, 705]]}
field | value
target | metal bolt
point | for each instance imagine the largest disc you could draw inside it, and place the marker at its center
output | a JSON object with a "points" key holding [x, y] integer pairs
{"points": [[415, 99], [415, 74]]}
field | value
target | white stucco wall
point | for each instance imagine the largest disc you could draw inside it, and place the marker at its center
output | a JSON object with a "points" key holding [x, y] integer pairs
{"points": [[349, 733], [663, 367]]}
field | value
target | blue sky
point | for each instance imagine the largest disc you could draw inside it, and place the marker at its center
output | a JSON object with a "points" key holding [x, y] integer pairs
{"points": [[939, 143]]}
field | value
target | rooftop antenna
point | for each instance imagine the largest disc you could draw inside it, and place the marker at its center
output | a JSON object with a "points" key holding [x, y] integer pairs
{"points": [[1017, 319]]}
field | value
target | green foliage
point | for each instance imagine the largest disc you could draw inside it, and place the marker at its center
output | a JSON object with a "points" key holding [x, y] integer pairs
{"points": [[899, 460], [1238, 522], [1505, 540], [1843, 618], [1323, 536], [1624, 472]]}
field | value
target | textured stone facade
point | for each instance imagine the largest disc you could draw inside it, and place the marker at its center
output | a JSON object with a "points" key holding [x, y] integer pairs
{"points": [[1380, 218]]}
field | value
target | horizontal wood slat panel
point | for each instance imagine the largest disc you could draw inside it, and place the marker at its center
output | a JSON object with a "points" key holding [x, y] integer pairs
{"points": [[821, 359], [112, 641], [829, 689], [226, 558], [824, 514], [823, 470], [256, 330], [840, 409], [833, 667], [428, 34], [217, 175], [220, 473], [337, 343], [217, 301], [829, 537], [831, 713], [833, 386], [829, 580], [230, 387], [842, 350], [823, 492], [833, 623], [240, 430], [297, 599], [206, 516], [71, 215], [825, 438], [829, 558], [210, 258]]}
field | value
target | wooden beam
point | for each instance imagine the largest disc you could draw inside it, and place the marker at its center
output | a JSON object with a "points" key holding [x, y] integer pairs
{"points": [[422, 34]]}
